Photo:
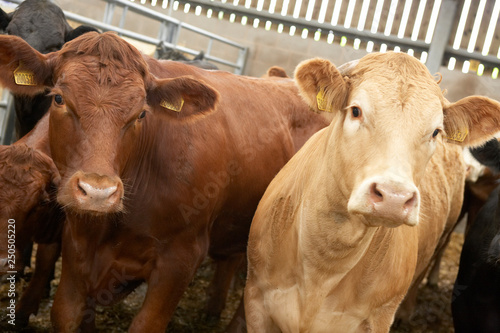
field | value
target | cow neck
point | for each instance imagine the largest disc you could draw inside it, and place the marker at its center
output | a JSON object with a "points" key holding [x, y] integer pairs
{"points": [[87, 229], [142, 168], [149, 166], [38, 138], [328, 232], [49, 223]]}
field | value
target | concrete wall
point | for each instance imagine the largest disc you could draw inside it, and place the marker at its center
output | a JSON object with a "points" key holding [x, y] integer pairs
{"points": [[268, 48]]}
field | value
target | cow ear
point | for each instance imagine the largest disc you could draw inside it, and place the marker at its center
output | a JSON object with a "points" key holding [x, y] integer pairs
{"points": [[276, 71], [23, 70], [321, 85], [182, 97], [472, 121], [78, 31], [4, 20]]}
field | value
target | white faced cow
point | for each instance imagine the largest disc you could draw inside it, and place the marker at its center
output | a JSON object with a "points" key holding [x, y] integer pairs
{"points": [[354, 218]]}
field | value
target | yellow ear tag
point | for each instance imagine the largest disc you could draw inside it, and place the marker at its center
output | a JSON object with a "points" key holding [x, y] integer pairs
{"points": [[24, 77], [322, 102], [174, 106], [458, 135]]}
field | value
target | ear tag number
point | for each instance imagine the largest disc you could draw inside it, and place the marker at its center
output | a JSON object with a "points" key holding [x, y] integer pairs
{"points": [[174, 106], [458, 135], [322, 102], [24, 77]]}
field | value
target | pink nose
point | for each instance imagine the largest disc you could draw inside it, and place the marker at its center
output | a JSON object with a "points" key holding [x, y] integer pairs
{"points": [[97, 193], [393, 201]]}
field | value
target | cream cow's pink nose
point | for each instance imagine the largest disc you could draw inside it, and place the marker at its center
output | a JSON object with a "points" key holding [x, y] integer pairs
{"points": [[392, 200]]}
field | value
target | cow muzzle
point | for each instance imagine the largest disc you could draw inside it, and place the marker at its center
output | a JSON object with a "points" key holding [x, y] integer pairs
{"points": [[386, 202], [92, 193]]}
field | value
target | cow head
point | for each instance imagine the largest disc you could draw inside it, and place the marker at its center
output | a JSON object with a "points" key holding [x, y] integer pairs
{"points": [[103, 100], [28, 179], [42, 24], [389, 114]]}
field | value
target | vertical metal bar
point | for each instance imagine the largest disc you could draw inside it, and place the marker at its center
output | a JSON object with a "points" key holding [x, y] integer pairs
{"points": [[122, 19], [209, 47], [9, 122], [162, 34], [109, 12], [3, 113], [173, 33], [241, 61], [447, 16]]}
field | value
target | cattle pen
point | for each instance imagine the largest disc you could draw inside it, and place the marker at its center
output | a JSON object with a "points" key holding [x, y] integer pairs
{"points": [[457, 38]]}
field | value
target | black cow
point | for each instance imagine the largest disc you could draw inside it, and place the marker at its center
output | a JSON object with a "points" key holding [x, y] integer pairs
{"points": [[43, 25], [166, 53], [476, 294]]}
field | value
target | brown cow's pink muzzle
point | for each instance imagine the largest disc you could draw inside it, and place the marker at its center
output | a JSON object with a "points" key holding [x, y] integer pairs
{"points": [[93, 193], [386, 202]]}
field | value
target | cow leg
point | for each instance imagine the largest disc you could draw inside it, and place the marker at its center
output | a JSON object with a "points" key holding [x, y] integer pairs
{"points": [[381, 319], [409, 303], [46, 257], [257, 318], [433, 277], [167, 283], [70, 311], [28, 250], [238, 323], [219, 286]]}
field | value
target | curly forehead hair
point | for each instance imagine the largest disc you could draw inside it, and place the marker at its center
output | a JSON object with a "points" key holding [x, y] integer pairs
{"points": [[113, 53]]}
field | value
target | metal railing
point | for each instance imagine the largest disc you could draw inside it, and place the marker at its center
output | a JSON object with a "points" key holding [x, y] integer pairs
{"points": [[430, 30], [168, 34]]}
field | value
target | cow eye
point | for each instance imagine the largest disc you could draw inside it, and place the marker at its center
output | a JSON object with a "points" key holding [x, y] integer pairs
{"points": [[435, 133], [356, 112], [142, 115], [58, 99]]}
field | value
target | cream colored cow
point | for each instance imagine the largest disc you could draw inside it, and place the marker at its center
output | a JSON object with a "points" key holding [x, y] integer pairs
{"points": [[354, 218]]}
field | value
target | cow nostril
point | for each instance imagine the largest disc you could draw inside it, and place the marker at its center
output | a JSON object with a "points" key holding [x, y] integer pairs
{"points": [[81, 189], [375, 194], [411, 202]]}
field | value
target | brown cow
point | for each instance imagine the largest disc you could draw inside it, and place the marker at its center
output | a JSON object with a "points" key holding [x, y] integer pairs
{"points": [[28, 212], [353, 220], [161, 163], [27, 177]]}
